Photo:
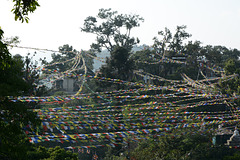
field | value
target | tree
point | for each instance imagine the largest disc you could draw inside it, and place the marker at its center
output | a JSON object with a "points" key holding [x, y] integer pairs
{"points": [[163, 44], [171, 43], [145, 60], [178, 38], [109, 32], [70, 61], [31, 74], [232, 66], [67, 56], [119, 65], [235, 156], [168, 46], [66, 53], [11, 81], [213, 54], [19, 78], [56, 153], [21, 9], [15, 116], [187, 147], [5, 56], [231, 54], [147, 56], [192, 50]]}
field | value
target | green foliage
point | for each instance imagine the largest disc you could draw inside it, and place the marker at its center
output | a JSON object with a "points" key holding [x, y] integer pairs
{"points": [[109, 32], [168, 45], [19, 78], [171, 42], [235, 156], [231, 54], [38, 153], [5, 57], [148, 56], [60, 93], [14, 117], [232, 66], [42, 91], [11, 81], [192, 147], [57, 153], [21, 9], [178, 38], [113, 154], [193, 52], [213, 54], [119, 65], [219, 55], [31, 74], [68, 53], [12, 40]]}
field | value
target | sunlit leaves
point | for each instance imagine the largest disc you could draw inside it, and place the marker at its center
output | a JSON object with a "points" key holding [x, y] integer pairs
{"points": [[112, 29], [21, 9]]}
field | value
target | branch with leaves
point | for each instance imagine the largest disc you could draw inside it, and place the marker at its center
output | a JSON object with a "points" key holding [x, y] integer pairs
{"points": [[110, 30]]}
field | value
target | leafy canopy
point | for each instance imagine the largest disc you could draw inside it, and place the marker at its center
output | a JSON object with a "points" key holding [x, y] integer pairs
{"points": [[21, 9], [119, 65], [114, 29], [5, 56]]}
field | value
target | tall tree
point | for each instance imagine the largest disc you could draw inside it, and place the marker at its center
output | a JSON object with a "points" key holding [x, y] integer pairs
{"points": [[66, 53], [67, 56], [110, 32], [21, 9], [169, 45], [5, 56], [14, 116], [232, 66], [11, 81], [231, 54], [163, 44], [119, 65], [142, 58], [169, 42], [178, 38], [56, 153], [192, 50], [31, 74], [187, 147], [213, 54]]}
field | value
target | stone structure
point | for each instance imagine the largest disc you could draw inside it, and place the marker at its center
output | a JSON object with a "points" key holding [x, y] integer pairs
{"points": [[234, 139], [68, 84]]}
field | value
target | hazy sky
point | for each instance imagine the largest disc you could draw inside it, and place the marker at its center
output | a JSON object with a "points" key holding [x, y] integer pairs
{"points": [[58, 22]]}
